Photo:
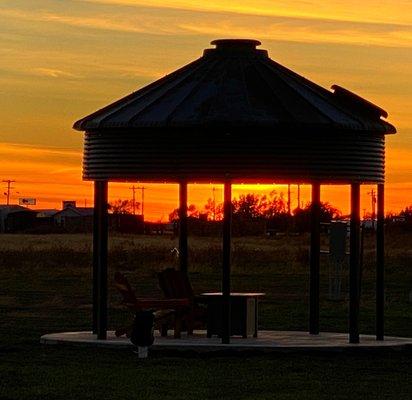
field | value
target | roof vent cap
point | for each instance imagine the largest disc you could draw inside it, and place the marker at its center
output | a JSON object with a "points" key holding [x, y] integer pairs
{"points": [[236, 44], [236, 47]]}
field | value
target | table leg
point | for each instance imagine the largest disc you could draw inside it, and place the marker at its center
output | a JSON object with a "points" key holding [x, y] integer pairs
{"points": [[209, 320], [244, 314], [256, 318], [178, 325], [163, 330]]}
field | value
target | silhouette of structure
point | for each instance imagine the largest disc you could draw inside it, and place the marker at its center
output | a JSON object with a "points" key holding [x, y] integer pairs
{"points": [[15, 218], [234, 115]]}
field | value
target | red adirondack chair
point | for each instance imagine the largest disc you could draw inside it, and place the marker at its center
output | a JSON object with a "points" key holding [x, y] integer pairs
{"points": [[164, 309], [176, 285]]}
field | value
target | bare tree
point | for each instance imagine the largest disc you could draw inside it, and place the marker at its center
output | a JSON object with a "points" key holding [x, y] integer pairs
{"points": [[122, 206]]}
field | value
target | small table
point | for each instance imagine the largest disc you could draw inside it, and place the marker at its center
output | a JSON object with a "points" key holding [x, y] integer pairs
{"points": [[243, 313]]}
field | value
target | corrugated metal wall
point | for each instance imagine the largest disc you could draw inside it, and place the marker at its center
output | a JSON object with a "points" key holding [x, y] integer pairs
{"points": [[153, 155]]}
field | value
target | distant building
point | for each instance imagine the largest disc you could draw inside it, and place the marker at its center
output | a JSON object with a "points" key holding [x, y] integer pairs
{"points": [[80, 219], [71, 219], [15, 218], [46, 213], [74, 219], [45, 221], [68, 203]]}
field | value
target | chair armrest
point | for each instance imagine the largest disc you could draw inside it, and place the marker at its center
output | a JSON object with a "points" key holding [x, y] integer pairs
{"points": [[161, 304]]}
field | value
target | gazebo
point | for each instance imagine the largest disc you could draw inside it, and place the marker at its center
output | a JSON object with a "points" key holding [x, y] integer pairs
{"points": [[236, 116]]}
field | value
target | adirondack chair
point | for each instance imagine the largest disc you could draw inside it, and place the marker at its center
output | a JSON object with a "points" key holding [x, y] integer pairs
{"points": [[176, 285], [166, 311]]}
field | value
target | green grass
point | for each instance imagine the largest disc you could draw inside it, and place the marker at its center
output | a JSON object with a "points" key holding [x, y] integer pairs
{"points": [[46, 288]]}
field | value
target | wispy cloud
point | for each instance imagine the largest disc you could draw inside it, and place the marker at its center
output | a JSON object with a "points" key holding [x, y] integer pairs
{"points": [[99, 22], [54, 73], [39, 170], [315, 31], [38, 153], [15, 61], [376, 11], [274, 27]]}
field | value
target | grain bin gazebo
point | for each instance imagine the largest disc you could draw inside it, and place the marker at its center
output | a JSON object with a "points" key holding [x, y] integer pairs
{"points": [[231, 116]]}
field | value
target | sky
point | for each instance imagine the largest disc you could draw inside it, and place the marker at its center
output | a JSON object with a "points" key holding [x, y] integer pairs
{"points": [[63, 59]]}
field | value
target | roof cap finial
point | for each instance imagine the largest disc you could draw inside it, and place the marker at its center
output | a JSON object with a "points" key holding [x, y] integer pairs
{"points": [[236, 44], [236, 47]]}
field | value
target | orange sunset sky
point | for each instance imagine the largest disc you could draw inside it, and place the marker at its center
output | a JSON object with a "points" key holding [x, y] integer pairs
{"points": [[61, 60]]}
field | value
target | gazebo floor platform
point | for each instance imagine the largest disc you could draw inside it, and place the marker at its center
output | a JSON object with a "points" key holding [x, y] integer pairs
{"points": [[268, 341]]}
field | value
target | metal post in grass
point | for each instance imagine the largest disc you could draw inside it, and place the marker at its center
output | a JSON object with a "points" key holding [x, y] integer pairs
{"points": [[95, 257], [354, 264], [380, 263], [183, 250], [227, 238], [314, 261], [101, 232], [337, 254]]}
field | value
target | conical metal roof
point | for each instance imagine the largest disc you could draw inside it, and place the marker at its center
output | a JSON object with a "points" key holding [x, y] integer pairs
{"points": [[237, 85]]}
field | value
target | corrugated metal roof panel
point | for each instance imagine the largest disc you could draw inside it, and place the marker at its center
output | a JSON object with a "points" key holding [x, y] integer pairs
{"points": [[236, 85]]}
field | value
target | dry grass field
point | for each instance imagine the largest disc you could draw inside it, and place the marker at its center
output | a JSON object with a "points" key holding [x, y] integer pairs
{"points": [[46, 287]]}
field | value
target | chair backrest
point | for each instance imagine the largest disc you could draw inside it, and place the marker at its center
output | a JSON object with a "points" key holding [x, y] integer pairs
{"points": [[175, 284], [122, 285]]}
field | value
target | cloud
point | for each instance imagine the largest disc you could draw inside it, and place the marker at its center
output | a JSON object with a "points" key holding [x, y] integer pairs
{"points": [[376, 11], [38, 154], [312, 32], [157, 22], [41, 171], [54, 73], [101, 22]]}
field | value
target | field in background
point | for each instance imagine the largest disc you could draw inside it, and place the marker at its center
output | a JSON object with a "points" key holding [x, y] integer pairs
{"points": [[46, 286]]}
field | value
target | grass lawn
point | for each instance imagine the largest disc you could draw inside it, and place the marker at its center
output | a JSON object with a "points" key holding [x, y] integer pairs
{"points": [[46, 288]]}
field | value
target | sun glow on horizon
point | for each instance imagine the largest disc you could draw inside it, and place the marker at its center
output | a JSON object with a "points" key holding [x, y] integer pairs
{"points": [[55, 175], [62, 60]]}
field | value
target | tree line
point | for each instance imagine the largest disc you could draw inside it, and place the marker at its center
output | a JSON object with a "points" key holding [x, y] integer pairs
{"points": [[253, 206], [271, 209], [254, 209]]}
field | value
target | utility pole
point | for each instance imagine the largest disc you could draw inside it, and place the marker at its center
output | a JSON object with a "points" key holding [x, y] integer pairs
{"points": [[9, 187], [142, 188], [133, 189], [214, 204], [372, 193], [289, 212], [299, 196]]}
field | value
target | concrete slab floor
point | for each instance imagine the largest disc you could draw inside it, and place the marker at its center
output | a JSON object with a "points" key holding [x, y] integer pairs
{"points": [[267, 341]]}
